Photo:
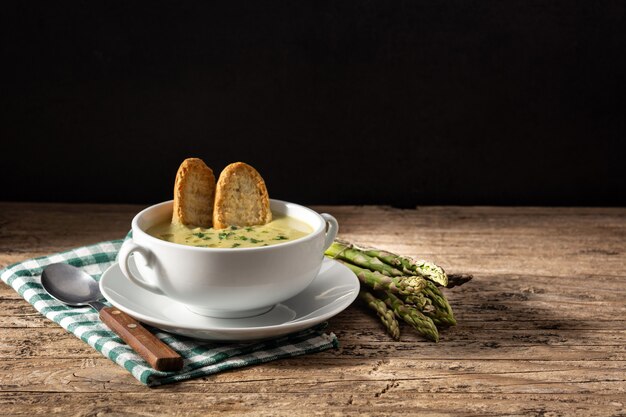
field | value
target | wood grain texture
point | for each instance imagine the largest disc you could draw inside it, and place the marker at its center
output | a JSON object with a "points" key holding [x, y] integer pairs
{"points": [[542, 327], [159, 355]]}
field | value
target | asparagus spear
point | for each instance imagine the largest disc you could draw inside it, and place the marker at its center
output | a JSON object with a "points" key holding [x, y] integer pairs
{"points": [[425, 269], [443, 311], [454, 280], [378, 281], [345, 251], [412, 316], [400, 265], [420, 301], [429, 270], [386, 316], [441, 319], [440, 316]]}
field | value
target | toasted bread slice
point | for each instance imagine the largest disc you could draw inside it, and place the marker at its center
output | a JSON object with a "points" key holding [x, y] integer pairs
{"points": [[194, 194], [241, 198]]}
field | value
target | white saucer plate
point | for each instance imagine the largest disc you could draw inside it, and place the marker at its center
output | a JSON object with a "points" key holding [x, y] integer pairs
{"points": [[332, 291]]}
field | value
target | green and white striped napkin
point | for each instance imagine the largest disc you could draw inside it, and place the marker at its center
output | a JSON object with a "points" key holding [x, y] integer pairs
{"points": [[200, 358]]}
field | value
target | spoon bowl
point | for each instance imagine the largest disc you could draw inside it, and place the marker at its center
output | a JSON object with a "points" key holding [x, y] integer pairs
{"points": [[70, 285]]}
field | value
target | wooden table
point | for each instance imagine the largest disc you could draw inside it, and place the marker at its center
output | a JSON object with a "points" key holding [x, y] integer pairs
{"points": [[542, 327]]}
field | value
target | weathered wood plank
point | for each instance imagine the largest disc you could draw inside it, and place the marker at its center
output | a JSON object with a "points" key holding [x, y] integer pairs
{"points": [[327, 374], [386, 400], [469, 344]]}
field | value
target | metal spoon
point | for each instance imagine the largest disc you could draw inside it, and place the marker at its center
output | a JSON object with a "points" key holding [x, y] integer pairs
{"points": [[75, 288]]}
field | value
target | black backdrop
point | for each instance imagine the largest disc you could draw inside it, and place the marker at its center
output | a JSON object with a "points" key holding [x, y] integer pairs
{"points": [[361, 102]]}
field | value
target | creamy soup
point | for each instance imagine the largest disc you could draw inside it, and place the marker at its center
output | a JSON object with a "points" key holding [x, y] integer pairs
{"points": [[281, 229]]}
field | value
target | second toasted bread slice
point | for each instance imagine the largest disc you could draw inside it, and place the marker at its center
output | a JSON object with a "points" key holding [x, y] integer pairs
{"points": [[241, 198], [194, 194]]}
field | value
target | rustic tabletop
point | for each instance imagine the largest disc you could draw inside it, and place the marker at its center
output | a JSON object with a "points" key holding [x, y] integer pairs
{"points": [[542, 327]]}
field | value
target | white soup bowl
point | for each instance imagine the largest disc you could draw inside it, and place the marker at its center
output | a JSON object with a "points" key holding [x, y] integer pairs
{"points": [[226, 282]]}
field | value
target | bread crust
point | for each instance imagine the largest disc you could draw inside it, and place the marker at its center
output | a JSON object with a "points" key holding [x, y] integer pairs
{"points": [[194, 194], [241, 198]]}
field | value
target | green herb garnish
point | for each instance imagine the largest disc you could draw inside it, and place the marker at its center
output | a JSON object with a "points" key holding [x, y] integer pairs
{"points": [[253, 240], [235, 245], [280, 237]]}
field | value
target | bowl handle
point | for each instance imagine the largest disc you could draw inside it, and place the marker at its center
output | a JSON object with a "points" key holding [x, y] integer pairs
{"points": [[331, 231], [129, 247]]}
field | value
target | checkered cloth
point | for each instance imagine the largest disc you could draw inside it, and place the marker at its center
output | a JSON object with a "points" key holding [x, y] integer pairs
{"points": [[200, 358]]}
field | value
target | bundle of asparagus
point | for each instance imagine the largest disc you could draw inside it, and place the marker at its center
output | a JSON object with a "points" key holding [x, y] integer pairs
{"points": [[397, 287]]}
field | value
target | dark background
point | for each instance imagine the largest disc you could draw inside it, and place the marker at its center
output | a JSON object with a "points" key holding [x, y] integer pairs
{"points": [[358, 102]]}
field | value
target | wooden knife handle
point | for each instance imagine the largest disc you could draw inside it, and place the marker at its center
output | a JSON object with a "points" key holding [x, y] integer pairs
{"points": [[160, 356]]}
